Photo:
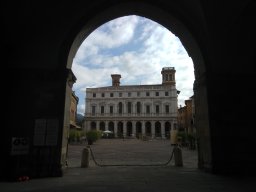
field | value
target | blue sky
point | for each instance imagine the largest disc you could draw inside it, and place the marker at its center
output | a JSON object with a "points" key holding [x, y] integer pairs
{"points": [[138, 49]]}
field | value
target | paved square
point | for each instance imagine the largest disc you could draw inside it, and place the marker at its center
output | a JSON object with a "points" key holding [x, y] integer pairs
{"points": [[132, 178], [131, 152]]}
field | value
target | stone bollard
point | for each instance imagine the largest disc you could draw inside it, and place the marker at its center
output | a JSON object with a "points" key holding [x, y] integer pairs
{"points": [[85, 158], [178, 156]]}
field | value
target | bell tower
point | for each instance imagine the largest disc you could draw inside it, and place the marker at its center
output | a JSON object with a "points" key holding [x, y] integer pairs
{"points": [[116, 80], [168, 76]]}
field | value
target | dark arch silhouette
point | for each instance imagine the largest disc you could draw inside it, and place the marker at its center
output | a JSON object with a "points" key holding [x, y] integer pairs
{"points": [[219, 38]]}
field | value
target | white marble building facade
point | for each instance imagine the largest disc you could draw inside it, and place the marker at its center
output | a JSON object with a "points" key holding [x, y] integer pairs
{"points": [[133, 110]]}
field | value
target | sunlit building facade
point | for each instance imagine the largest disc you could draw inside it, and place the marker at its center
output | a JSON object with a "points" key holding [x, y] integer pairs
{"points": [[134, 110]]}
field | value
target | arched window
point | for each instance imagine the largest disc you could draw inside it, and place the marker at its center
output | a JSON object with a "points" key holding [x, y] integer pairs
{"points": [[111, 126]]}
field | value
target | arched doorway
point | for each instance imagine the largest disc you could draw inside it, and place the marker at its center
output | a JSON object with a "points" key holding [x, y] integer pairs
{"points": [[120, 129], [158, 129], [167, 128], [196, 24], [148, 129], [129, 129], [93, 125], [111, 126], [179, 29], [102, 126], [138, 130]]}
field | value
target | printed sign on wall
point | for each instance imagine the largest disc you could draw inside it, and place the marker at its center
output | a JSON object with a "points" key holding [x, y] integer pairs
{"points": [[20, 146]]}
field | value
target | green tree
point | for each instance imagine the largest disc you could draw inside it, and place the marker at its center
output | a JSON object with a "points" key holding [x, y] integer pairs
{"points": [[92, 136]]}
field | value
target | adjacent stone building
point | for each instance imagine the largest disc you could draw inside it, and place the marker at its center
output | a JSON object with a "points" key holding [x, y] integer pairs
{"points": [[134, 110], [186, 115], [73, 112]]}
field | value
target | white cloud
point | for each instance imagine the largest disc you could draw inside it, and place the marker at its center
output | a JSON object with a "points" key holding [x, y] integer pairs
{"points": [[113, 34], [121, 30], [159, 48], [88, 77]]}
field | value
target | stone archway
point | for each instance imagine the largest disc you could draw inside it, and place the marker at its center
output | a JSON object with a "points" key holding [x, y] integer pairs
{"points": [[102, 126], [120, 129], [138, 130], [167, 128], [111, 126], [129, 129], [148, 127], [93, 125], [158, 129], [39, 61], [189, 42]]}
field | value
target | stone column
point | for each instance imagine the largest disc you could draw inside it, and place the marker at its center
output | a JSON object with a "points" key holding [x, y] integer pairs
{"points": [[153, 129], [115, 128], [125, 128], [172, 125], [143, 111], [125, 108], [162, 130], [87, 126], [133, 108], [106, 125], [97, 125], [202, 124], [134, 129], [143, 128]]}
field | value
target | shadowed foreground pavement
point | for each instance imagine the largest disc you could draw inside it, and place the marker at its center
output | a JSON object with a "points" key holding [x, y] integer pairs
{"points": [[133, 178]]}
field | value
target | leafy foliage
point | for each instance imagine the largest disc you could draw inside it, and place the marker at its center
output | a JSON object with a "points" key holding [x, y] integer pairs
{"points": [[93, 135], [75, 135]]}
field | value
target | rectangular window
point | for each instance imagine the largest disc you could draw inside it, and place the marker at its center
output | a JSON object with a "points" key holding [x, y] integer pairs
{"points": [[94, 94], [111, 95], [157, 109], [148, 109], [102, 94], [167, 109], [166, 93], [138, 94], [147, 94], [166, 77], [129, 94], [157, 93], [111, 110], [102, 109], [120, 94], [129, 107], [93, 110], [138, 107]]}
